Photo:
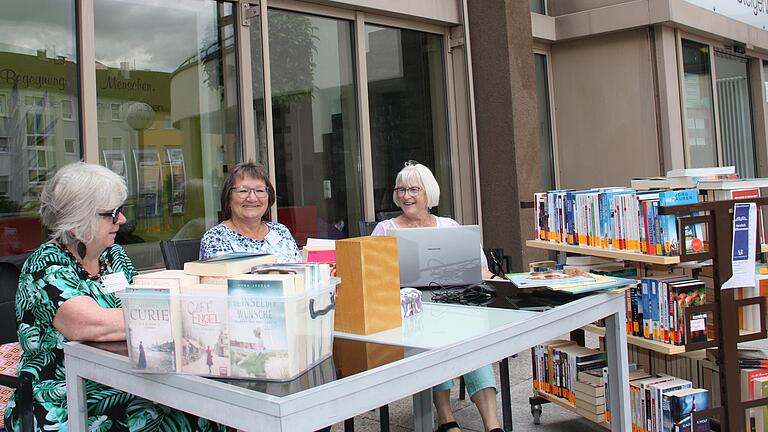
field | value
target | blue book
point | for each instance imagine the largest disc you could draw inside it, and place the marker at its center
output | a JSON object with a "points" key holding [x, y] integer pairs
{"points": [[668, 223]]}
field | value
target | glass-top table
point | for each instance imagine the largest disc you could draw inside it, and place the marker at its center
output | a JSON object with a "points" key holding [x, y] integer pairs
{"points": [[440, 325], [366, 372]]}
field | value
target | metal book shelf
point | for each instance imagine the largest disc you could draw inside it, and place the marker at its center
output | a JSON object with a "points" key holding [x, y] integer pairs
{"points": [[718, 218]]}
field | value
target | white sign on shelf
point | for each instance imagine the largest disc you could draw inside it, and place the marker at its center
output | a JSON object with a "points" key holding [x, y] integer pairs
{"points": [[743, 250]]}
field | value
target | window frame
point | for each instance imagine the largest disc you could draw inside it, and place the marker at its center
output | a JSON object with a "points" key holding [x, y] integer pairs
{"points": [[71, 110], [758, 125], [553, 122]]}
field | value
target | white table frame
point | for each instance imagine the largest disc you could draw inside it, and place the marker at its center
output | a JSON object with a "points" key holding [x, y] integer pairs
{"points": [[336, 401]]}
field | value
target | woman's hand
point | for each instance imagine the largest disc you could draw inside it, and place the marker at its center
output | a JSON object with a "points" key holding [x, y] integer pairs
{"points": [[82, 319]]}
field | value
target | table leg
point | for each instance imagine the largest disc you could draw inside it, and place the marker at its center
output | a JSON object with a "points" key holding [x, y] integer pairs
{"points": [[77, 408], [422, 411], [618, 373], [506, 398]]}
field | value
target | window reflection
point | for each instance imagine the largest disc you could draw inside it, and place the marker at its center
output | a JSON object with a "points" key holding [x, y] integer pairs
{"points": [[168, 116], [538, 6], [701, 150], [406, 98], [546, 152], [38, 98], [315, 125], [735, 110]]}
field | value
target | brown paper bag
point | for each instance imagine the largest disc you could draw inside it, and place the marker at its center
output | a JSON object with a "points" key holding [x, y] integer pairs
{"points": [[351, 357], [368, 298]]}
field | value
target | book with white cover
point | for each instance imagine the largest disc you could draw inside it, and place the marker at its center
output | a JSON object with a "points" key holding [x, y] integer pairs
{"points": [[726, 184], [701, 172]]}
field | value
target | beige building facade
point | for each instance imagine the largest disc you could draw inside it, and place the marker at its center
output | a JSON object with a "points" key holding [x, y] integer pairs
{"points": [[624, 89]]}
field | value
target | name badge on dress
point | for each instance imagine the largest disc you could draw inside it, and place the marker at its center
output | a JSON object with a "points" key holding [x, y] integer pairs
{"points": [[114, 282]]}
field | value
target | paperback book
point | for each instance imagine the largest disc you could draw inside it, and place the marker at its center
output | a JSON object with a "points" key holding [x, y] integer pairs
{"points": [[205, 333], [150, 329], [268, 329]]}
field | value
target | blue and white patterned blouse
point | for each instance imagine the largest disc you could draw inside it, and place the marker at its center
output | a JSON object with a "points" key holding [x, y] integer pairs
{"points": [[221, 240]]}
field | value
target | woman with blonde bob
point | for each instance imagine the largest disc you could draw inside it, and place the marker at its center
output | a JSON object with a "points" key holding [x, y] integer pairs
{"points": [[62, 297], [416, 193]]}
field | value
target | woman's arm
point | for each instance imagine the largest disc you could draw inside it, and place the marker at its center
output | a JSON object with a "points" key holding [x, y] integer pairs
{"points": [[82, 319]]}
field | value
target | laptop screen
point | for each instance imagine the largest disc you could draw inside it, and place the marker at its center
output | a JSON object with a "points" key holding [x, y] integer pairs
{"points": [[439, 256]]}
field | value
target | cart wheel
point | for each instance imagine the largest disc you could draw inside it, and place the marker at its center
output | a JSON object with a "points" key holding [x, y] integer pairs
{"points": [[536, 412]]}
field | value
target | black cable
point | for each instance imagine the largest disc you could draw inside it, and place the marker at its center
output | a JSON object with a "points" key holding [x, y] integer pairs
{"points": [[475, 294]]}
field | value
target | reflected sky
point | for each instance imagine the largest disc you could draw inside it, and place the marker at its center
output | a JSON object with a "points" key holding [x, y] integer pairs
{"points": [[144, 33], [29, 26]]}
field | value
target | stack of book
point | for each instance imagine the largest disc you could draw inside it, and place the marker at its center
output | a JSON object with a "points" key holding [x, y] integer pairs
{"points": [[557, 363], [590, 395], [242, 317]]}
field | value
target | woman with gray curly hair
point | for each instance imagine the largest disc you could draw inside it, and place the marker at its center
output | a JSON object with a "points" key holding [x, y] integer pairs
{"points": [[66, 293]]}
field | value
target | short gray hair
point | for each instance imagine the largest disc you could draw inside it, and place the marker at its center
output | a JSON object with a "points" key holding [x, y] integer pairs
{"points": [[70, 200], [418, 175]]}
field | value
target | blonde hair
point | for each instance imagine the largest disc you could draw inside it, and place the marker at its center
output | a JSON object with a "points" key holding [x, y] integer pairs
{"points": [[418, 175], [70, 200]]}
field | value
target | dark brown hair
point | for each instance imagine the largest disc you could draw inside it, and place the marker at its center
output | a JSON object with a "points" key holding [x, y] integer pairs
{"points": [[245, 170]]}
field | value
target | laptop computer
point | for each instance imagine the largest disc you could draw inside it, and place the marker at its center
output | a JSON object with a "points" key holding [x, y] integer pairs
{"points": [[439, 256]]}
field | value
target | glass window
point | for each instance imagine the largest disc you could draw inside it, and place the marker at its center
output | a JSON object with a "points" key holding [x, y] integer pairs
{"points": [[70, 146], [700, 149], [115, 111], [315, 125], [167, 75], [101, 111], [38, 69], [538, 6], [4, 144], [67, 110], [735, 111], [545, 122], [407, 103]]}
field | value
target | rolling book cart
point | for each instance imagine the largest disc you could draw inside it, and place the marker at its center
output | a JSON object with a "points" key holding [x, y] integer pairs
{"points": [[730, 415]]}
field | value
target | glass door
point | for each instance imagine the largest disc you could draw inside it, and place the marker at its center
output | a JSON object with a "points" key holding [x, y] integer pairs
{"points": [[168, 116], [315, 125]]}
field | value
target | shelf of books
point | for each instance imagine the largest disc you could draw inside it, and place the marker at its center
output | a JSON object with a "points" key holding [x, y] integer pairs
{"points": [[605, 253], [562, 403], [659, 347], [641, 224]]}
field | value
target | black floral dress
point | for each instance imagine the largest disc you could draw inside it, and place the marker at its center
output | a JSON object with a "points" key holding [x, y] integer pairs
{"points": [[49, 277]]}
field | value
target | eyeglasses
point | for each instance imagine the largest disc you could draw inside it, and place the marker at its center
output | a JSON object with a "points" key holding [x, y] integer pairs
{"points": [[243, 192], [412, 191], [114, 214], [410, 162]]}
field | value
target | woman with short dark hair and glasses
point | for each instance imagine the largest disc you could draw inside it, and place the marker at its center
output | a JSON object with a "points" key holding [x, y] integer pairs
{"points": [[66, 293], [416, 193], [245, 198]]}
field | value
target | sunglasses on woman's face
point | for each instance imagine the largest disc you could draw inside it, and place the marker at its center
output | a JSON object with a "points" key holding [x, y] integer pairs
{"points": [[114, 214]]}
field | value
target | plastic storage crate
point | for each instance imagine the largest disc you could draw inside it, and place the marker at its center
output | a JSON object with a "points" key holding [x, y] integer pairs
{"points": [[235, 332]]}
